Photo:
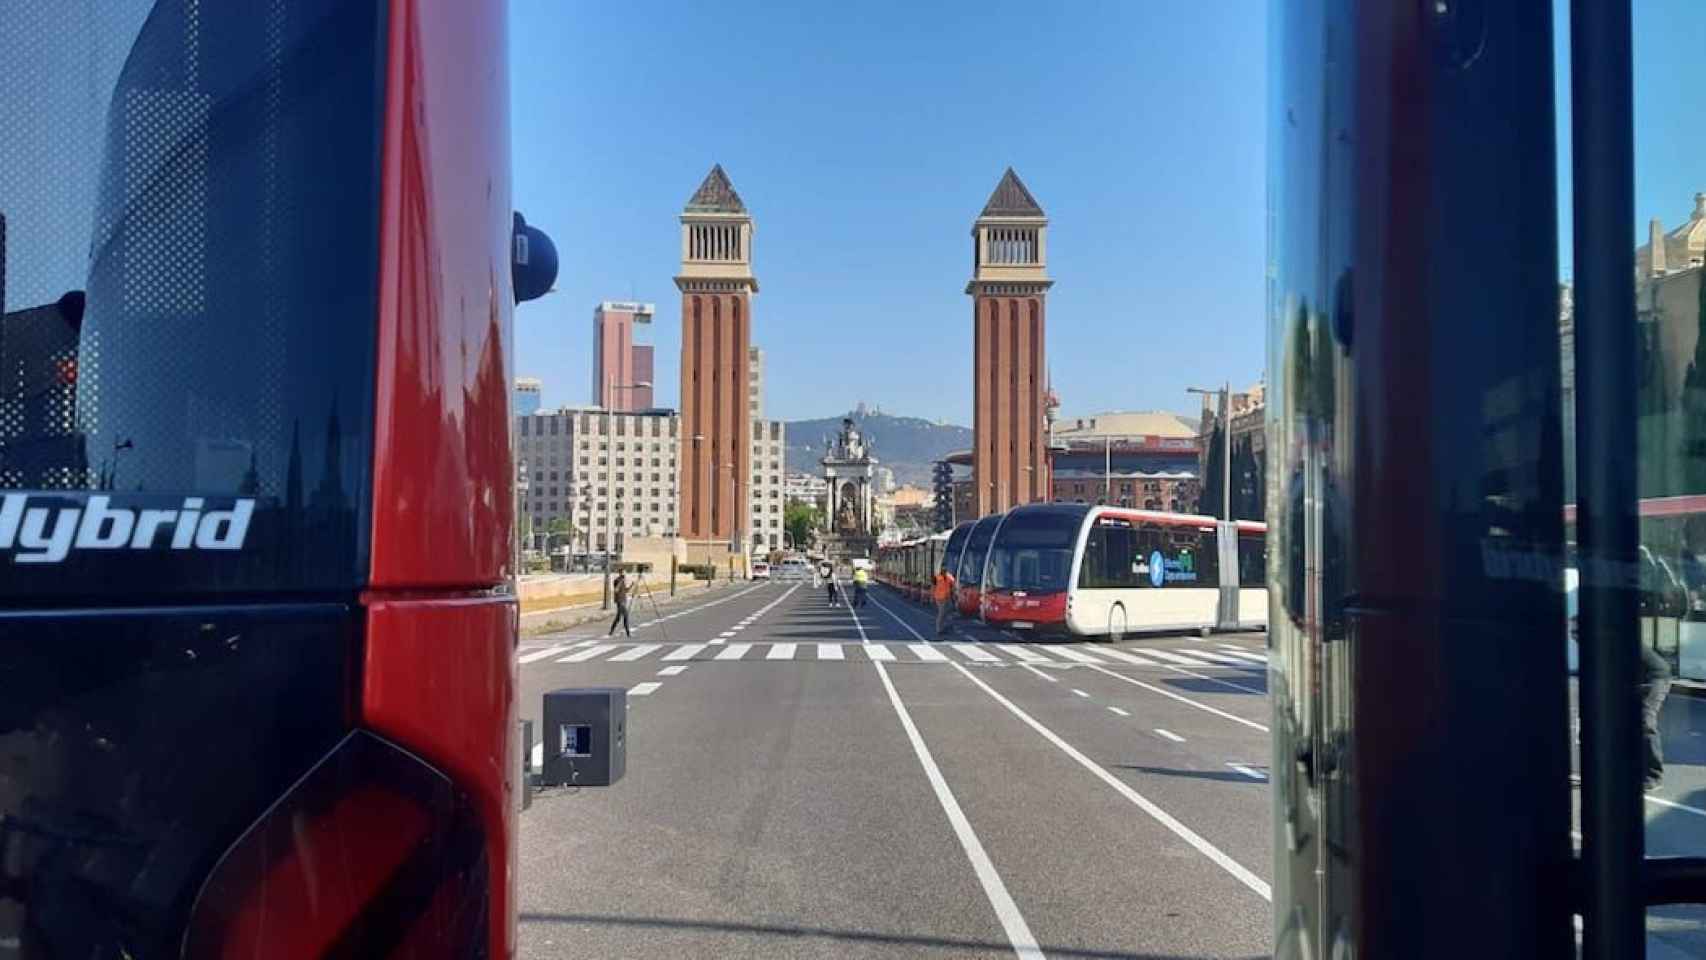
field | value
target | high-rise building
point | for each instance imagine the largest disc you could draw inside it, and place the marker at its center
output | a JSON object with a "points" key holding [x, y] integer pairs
{"points": [[717, 285], [767, 483], [610, 475], [1008, 288], [755, 381], [527, 391], [621, 369]]}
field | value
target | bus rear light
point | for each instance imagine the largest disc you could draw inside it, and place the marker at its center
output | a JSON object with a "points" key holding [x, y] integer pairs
{"points": [[372, 854]]}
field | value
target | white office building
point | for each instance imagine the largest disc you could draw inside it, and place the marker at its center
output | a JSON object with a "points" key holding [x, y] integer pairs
{"points": [[611, 475], [769, 458]]}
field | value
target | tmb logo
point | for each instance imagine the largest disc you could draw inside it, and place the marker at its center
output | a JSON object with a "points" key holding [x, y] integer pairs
{"points": [[48, 534]]}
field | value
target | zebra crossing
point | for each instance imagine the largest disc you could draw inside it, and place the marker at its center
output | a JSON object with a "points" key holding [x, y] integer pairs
{"points": [[981, 654]]}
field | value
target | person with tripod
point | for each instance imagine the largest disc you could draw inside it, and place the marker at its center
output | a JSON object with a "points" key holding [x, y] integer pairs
{"points": [[619, 590]]}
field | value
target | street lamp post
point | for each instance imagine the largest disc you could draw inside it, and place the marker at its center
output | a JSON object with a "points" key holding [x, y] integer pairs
{"points": [[1225, 417]]}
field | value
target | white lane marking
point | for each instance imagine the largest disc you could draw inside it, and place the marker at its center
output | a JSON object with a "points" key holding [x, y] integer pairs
{"points": [[1218, 658], [726, 634], [684, 652], [972, 651], [1118, 711], [674, 671], [1039, 673], [588, 653], [1127, 657], [1023, 654], [733, 651], [896, 617], [781, 651], [643, 689], [1012, 921], [877, 651], [1675, 806], [1173, 696], [830, 651], [719, 640], [736, 629], [1219, 681], [1081, 693], [1078, 656], [1261, 658], [1169, 735], [1171, 657], [547, 652], [925, 651], [1209, 850], [1248, 772], [635, 653]]}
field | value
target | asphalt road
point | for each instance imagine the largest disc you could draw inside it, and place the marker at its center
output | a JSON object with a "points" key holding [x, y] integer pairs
{"points": [[822, 782]]}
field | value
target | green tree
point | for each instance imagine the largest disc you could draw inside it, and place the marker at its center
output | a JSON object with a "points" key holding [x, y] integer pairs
{"points": [[799, 520]]}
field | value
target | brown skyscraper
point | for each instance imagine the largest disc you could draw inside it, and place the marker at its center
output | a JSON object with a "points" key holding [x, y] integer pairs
{"points": [[1008, 288], [716, 285]]}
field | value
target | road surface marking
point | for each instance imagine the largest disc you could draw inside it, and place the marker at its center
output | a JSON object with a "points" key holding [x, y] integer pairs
{"points": [[1221, 681], [726, 634], [538, 756], [643, 689], [684, 652], [1246, 771], [1242, 655], [733, 651], [1173, 696], [1118, 711], [1170, 657], [830, 651], [1024, 655], [542, 654], [1127, 657], [1169, 735], [1081, 693], [635, 653], [780, 651], [877, 651], [972, 651], [926, 652], [672, 671], [719, 640], [1219, 658], [1039, 673], [1077, 656], [587, 654], [1209, 850], [1675, 806], [1013, 922]]}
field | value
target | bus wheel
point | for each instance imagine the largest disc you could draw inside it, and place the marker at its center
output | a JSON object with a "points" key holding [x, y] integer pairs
{"points": [[1116, 623]]}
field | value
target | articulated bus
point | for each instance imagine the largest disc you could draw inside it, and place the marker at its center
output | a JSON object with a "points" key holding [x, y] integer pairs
{"points": [[909, 566], [257, 272], [1106, 571]]}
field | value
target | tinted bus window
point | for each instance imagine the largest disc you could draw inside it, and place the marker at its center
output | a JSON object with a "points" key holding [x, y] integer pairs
{"points": [[1252, 562], [1112, 556], [977, 549], [189, 220]]}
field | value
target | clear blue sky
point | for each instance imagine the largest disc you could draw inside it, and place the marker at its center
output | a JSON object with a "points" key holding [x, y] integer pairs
{"points": [[864, 139]]}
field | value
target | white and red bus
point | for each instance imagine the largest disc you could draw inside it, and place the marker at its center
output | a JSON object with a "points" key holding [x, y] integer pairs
{"points": [[969, 578], [1105, 571]]}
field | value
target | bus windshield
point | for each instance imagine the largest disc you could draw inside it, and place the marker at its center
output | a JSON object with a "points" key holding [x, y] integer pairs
{"points": [[977, 546], [1033, 551], [955, 547]]}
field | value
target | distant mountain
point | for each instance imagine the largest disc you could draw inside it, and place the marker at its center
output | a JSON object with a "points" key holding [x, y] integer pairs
{"points": [[906, 445]]}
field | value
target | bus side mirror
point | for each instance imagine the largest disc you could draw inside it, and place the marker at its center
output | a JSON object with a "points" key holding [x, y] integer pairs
{"points": [[533, 261]]}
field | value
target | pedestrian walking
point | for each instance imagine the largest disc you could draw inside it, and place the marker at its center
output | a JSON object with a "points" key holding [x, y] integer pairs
{"points": [[619, 590], [1655, 685], [829, 584], [861, 581], [943, 593]]}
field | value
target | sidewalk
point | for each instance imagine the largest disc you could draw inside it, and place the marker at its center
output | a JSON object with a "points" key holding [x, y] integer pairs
{"points": [[592, 609]]}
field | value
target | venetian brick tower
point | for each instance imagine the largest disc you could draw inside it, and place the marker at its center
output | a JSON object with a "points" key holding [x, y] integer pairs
{"points": [[1009, 287]]}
